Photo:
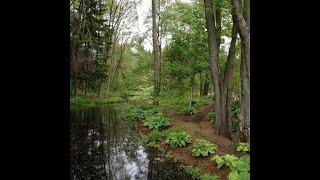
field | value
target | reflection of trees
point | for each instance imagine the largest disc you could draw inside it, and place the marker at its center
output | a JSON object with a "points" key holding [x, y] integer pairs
{"points": [[160, 168], [102, 147], [121, 147], [85, 150]]}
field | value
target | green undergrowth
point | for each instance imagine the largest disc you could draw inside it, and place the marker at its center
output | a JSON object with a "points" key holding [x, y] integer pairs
{"points": [[239, 166], [198, 175], [180, 104], [80, 101]]}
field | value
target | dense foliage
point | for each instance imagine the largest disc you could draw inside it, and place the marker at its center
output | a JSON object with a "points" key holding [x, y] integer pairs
{"points": [[157, 122]]}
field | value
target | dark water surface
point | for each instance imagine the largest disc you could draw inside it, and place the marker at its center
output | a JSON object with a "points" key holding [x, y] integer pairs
{"points": [[102, 146]]}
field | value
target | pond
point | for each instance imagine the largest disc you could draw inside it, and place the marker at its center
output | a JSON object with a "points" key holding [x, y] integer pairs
{"points": [[103, 146]]}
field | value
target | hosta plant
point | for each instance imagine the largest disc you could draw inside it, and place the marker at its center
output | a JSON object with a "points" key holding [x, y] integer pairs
{"points": [[178, 139], [243, 147], [157, 122], [203, 148], [240, 167]]}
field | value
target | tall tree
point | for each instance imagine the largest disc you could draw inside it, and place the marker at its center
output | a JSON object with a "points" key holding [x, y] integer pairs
{"points": [[222, 81], [156, 60], [221, 125], [243, 23]]}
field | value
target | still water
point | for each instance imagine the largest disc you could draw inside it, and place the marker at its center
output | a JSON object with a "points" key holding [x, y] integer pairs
{"points": [[102, 146]]}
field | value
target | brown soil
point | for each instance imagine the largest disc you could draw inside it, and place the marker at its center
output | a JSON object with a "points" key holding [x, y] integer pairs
{"points": [[199, 127]]}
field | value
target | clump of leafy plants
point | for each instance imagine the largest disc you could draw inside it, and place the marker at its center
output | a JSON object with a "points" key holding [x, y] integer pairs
{"points": [[243, 147], [203, 148], [240, 167], [189, 110], [212, 117], [178, 139], [157, 122]]}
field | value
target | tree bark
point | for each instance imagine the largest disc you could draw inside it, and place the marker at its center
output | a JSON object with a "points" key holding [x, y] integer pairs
{"points": [[156, 63]]}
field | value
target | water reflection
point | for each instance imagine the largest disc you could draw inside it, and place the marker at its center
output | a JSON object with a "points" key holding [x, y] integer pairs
{"points": [[104, 147]]}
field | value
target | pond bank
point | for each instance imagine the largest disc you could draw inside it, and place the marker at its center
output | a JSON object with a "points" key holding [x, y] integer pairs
{"points": [[198, 126]]}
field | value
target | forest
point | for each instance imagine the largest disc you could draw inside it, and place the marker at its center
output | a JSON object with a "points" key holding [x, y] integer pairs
{"points": [[173, 73]]}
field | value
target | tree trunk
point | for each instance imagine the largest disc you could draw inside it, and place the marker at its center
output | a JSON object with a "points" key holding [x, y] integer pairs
{"points": [[221, 126], [228, 74], [156, 63], [243, 27]]}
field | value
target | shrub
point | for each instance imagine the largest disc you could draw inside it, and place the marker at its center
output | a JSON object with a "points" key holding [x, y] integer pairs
{"points": [[244, 147], [178, 139], [212, 116], [157, 122], [203, 147]]}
